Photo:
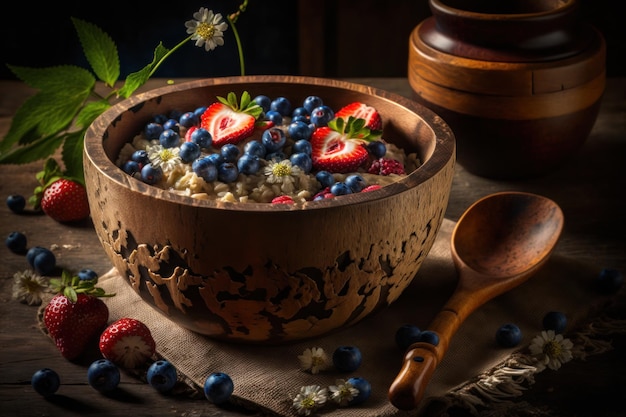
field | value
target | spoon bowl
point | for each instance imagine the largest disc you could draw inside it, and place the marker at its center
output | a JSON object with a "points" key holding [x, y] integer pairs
{"points": [[497, 244]]}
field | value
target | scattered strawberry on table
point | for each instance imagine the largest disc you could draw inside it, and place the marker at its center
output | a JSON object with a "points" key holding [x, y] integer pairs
{"points": [[75, 315], [128, 343]]}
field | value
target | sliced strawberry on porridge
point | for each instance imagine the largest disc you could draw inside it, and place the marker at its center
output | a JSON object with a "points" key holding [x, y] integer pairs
{"points": [[230, 121], [360, 110]]}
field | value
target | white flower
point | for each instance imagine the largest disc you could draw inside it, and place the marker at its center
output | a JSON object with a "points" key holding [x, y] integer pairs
{"points": [[343, 392], [551, 349], [284, 173], [309, 399], [207, 29], [314, 360], [29, 287], [165, 158]]}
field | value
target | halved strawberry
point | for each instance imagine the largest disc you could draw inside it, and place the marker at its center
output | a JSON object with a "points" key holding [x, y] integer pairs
{"points": [[339, 147], [361, 111], [229, 121], [127, 343]]}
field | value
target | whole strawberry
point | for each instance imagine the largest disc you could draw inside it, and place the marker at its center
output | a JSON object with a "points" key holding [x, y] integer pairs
{"points": [[127, 343], [65, 201], [75, 315]]}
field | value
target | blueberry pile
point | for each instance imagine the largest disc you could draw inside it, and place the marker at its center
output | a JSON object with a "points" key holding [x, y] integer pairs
{"points": [[286, 138]]}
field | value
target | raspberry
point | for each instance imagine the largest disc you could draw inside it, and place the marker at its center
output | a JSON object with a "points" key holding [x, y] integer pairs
{"points": [[386, 166]]}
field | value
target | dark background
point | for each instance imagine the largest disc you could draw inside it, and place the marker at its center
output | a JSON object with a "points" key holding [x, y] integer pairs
{"points": [[362, 38]]}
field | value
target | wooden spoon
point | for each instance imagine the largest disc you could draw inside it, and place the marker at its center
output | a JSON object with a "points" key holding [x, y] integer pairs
{"points": [[497, 244]]}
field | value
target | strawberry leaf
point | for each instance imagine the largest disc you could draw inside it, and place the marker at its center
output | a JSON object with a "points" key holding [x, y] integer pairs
{"points": [[100, 51], [70, 293]]}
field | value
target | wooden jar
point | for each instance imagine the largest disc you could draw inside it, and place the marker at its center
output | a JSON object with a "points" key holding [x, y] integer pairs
{"points": [[519, 82]]}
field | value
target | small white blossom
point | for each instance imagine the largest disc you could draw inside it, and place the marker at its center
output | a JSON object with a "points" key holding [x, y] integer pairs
{"points": [[310, 398], [29, 287], [314, 360], [343, 392], [207, 29], [551, 349], [284, 173], [165, 158]]}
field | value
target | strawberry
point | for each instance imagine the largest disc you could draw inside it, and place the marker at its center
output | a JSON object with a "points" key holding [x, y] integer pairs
{"points": [[360, 110], [338, 147], [75, 315], [229, 121], [65, 200], [386, 166], [127, 343]]}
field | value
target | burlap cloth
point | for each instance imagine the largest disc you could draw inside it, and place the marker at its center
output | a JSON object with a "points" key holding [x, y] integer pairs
{"points": [[268, 377]]}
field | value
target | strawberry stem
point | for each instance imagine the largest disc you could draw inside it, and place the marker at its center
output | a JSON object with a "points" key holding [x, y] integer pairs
{"points": [[71, 285]]}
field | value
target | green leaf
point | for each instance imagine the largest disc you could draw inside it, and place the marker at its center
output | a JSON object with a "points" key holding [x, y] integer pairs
{"points": [[90, 112], [72, 155], [32, 152], [70, 293], [100, 51], [63, 79], [139, 78]]}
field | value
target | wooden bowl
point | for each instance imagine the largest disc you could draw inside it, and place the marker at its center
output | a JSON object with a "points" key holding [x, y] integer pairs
{"points": [[520, 82], [263, 273]]}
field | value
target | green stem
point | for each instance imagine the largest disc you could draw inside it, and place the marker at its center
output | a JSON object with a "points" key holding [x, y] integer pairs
{"points": [[170, 52], [242, 65]]}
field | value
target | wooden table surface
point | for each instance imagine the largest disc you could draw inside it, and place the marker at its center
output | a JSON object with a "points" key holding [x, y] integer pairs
{"points": [[589, 188]]}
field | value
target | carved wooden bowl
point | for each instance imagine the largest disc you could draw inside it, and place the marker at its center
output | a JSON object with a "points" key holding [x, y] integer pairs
{"points": [[263, 273]]}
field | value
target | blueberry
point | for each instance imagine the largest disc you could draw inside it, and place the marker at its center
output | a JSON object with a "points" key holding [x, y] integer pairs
{"points": [[320, 116], [356, 182], [281, 105], [274, 117], [312, 102], [347, 358], [609, 281], [299, 130], [205, 168], [32, 252], [169, 138], [300, 111], [264, 102], [218, 387], [202, 137], [160, 119], [227, 172], [555, 320], [273, 139], [325, 178], [172, 124], [45, 382], [131, 167], [200, 111], [377, 148], [162, 375], [216, 158], [189, 151], [428, 336], [254, 147], [44, 262], [276, 156], [229, 152], [248, 164], [508, 335], [87, 274], [302, 146], [16, 242], [340, 188], [103, 375], [188, 119], [151, 174], [406, 335], [175, 115], [153, 130], [302, 160], [141, 157], [16, 203], [364, 387], [301, 118]]}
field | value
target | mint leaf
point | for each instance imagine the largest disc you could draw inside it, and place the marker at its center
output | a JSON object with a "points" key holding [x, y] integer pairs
{"points": [[90, 112], [100, 51], [59, 78], [32, 152], [139, 78], [72, 155]]}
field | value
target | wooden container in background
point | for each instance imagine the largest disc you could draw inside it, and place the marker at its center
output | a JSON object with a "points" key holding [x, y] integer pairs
{"points": [[519, 82]]}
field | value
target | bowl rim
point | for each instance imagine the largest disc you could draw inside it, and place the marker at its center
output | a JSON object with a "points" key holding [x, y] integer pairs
{"points": [[444, 147]]}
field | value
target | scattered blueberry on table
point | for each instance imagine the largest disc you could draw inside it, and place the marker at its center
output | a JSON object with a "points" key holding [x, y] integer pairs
{"points": [[45, 382], [347, 358]]}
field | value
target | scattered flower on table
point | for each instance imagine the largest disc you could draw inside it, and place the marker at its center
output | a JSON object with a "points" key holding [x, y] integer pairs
{"points": [[207, 29], [343, 392], [29, 287], [309, 399], [314, 360], [551, 349]]}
